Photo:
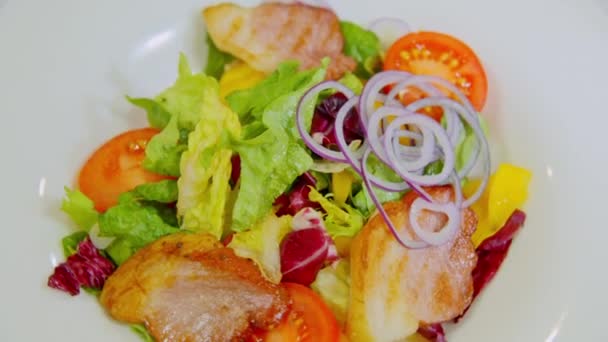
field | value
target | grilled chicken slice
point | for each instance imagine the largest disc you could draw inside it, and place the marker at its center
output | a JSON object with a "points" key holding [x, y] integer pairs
{"points": [[394, 289], [188, 287], [271, 33]]}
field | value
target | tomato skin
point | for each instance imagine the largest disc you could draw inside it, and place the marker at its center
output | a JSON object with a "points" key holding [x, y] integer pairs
{"points": [[310, 319], [115, 168], [432, 53]]}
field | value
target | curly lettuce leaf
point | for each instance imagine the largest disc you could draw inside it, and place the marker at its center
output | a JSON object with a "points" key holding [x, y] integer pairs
{"points": [[272, 160], [79, 208], [362, 45], [261, 244], [133, 224], [340, 219], [176, 110], [216, 59], [333, 285], [205, 167]]}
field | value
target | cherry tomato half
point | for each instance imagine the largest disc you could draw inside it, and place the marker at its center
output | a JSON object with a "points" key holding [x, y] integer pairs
{"points": [[438, 54], [116, 168]]}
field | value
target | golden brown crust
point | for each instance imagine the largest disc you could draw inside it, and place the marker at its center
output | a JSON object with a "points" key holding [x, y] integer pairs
{"points": [[271, 33], [388, 281], [188, 287]]}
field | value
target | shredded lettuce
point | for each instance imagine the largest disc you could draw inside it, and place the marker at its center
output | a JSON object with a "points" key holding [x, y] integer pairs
{"points": [[340, 219], [362, 45], [333, 285], [216, 59], [133, 224], [205, 167], [276, 156], [79, 208], [261, 244]]}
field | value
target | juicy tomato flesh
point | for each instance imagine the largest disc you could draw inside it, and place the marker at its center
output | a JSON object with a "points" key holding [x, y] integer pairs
{"points": [[115, 168], [438, 54], [310, 319]]}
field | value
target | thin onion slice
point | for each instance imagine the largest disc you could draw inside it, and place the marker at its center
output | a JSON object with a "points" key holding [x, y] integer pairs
{"points": [[405, 241], [446, 232], [386, 122], [317, 148]]}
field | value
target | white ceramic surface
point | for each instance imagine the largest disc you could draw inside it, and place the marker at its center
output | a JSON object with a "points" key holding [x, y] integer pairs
{"points": [[65, 66]]}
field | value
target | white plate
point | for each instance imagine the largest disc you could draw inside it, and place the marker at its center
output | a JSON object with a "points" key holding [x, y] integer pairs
{"points": [[65, 66]]}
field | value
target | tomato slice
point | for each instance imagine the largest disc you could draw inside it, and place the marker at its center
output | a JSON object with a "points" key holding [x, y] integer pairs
{"points": [[310, 320], [438, 54], [116, 168]]}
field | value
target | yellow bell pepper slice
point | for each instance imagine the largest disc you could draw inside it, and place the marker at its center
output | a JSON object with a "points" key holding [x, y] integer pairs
{"points": [[341, 184], [507, 190], [239, 76]]}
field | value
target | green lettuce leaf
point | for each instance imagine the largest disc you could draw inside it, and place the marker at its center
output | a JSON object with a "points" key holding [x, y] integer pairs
{"points": [[261, 244], [79, 208], [323, 180], [465, 148], [70, 242], [468, 144], [333, 285], [164, 191], [133, 224], [340, 219], [362, 200], [164, 150], [272, 160], [216, 59], [158, 116], [177, 110], [253, 101], [362, 45], [205, 167], [352, 82]]}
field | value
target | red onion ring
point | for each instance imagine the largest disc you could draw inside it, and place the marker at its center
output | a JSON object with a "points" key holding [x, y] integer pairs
{"points": [[405, 241], [431, 143], [317, 148]]}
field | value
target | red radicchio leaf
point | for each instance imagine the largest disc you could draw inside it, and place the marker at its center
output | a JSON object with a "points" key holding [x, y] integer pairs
{"points": [[492, 252], [325, 115], [87, 267], [432, 332], [291, 202], [235, 171], [303, 253]]}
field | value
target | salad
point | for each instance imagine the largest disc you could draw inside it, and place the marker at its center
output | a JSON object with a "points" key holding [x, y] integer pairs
{"points": [[318, 181]]}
